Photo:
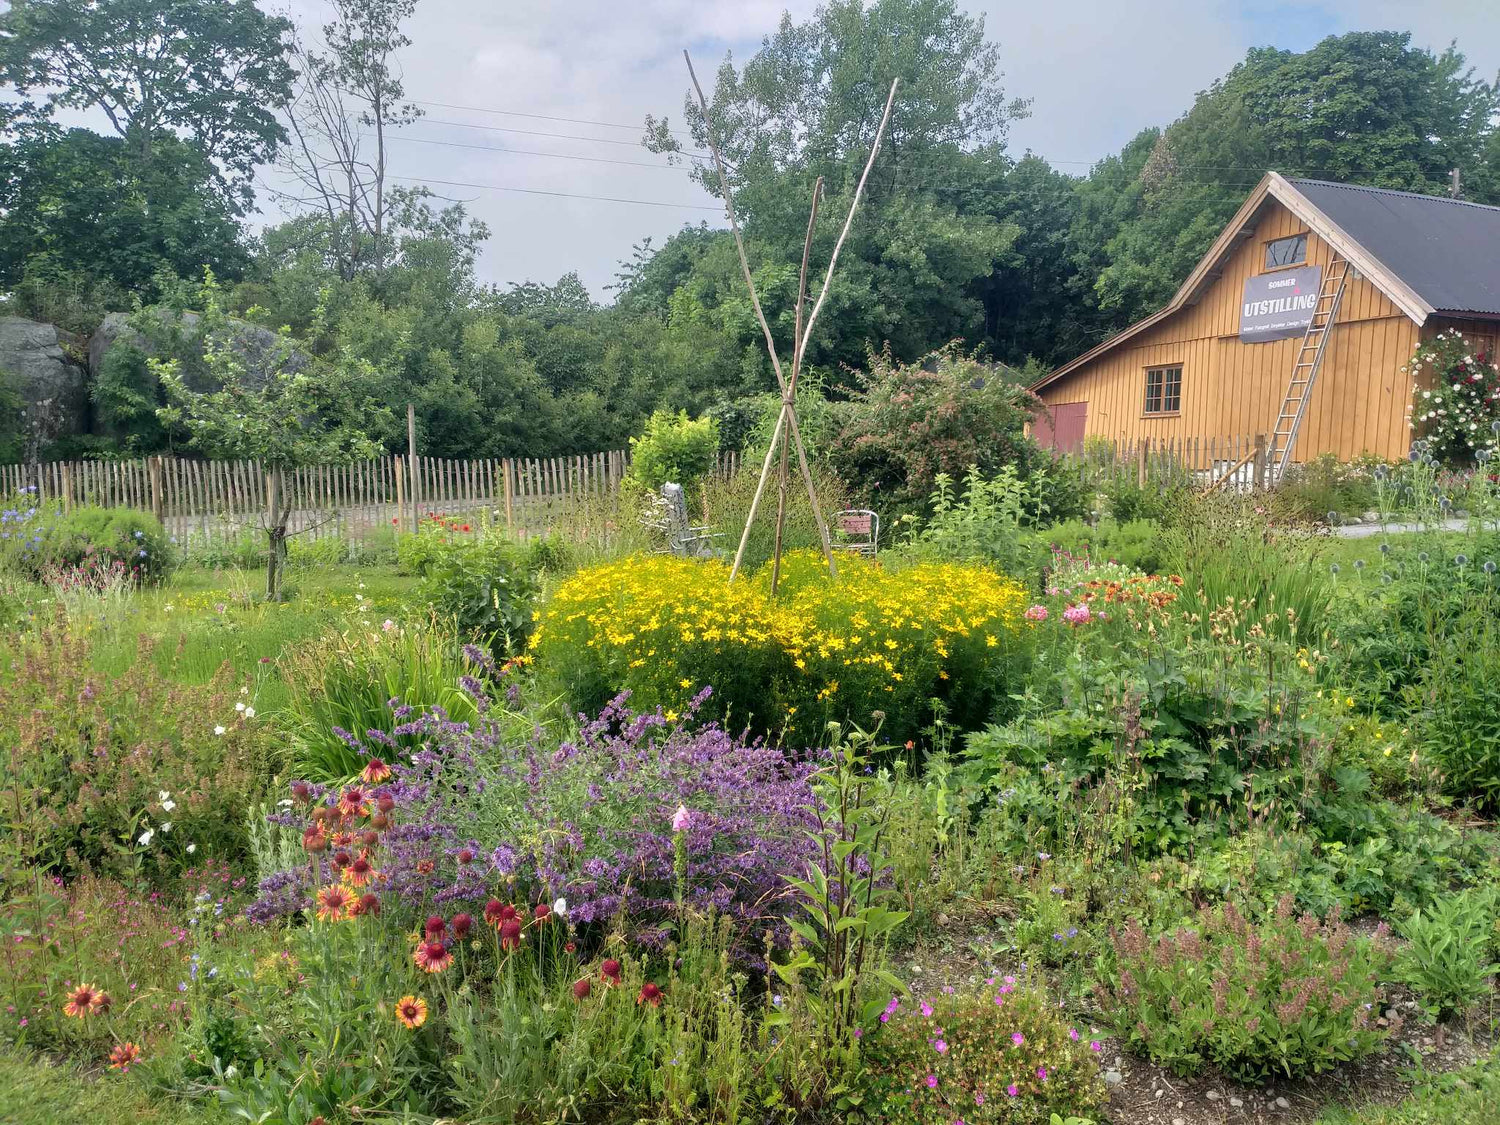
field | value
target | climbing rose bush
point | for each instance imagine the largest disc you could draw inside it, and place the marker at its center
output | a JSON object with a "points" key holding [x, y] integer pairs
{"points": [[875, 640], [1456, 398], [1001, 1054]]}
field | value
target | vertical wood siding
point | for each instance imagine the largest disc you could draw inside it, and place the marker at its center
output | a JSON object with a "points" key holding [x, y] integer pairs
{"points": [[1359, 403]]}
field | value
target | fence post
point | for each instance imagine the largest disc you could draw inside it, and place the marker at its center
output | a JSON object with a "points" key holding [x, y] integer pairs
{"points": [[505, 471], [1262, 474], [158, 508]]}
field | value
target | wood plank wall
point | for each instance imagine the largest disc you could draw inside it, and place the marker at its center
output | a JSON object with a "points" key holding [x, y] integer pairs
{"points": [[1359, 403]]}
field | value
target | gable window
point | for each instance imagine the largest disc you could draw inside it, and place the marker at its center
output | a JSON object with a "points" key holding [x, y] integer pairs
{"points": [[1164, 390], [1286, 251]]}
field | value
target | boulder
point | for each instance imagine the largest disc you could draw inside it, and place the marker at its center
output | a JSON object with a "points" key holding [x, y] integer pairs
{"points": [[53, 384], [255, 344]]}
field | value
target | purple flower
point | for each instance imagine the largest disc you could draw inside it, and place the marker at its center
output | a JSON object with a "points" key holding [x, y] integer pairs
{"points": [[932, 1081], [1041, 1072], [940, 1046], [1094, 1046], [1011, 1090], [1017, 1038]]}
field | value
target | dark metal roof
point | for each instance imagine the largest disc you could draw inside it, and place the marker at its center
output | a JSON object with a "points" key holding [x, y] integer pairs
{"points": [[1447, 250]]}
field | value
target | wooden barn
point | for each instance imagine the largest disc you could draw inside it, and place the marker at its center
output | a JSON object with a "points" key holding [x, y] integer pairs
{"points": [[1296, 325]]}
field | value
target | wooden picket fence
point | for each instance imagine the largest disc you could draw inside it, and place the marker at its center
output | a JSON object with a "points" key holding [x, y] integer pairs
{"points": [[201, 501], [1240, 462]]}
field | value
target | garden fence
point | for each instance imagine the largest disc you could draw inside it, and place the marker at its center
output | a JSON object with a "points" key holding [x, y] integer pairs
{"points": [[199, 501], [1241, 462]]}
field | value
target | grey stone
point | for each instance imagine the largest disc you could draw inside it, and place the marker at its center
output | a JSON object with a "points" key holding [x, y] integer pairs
{"points": [[1179, 1121], [1236, 1102], [1213, 1095], [255, 344], [52, 383], [1282, 1103], [1113, 1078]]}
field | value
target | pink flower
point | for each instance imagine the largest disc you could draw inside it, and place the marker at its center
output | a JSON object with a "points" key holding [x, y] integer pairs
{"points": [[1073, 1034], [859, 1033], [932, 1081], [1017, 1038], [940, 1046], [978, 1099], [680, 819], [926, 1009], [1094, 1046], [1011, 1090], [1041, 1072], [1077, 614], [1037, 613]]}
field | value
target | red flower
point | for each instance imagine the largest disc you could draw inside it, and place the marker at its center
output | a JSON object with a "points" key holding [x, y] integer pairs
{"points": [[360, 872], [375, 771], [432, 957], [367, 903], [352, 802], [81, 1001], [581, 988], [510, 934], [314, 839], [103, 1001], [466, 527], [493, 912], [435, 926], [461, 925], [424, 867], [341, 859], [122, 1056], [610, 969], [570, 947], [301, 792], [384, 801], [542, 912], [465, 856], [369, 837], [650, 994], [333, 903]]}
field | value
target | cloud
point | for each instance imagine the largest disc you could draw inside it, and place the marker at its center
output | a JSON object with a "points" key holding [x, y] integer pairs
{"points": [[1097, 71]]}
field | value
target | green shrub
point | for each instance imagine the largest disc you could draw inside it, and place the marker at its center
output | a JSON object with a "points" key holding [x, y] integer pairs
{"points": [[1445, 959], [1285, 997], [1309, 491], [666, 628], [89, 538], [1003, 1054], [673, 447], [985, 523], [347, 681], [1135, 544], [481, 580], [129, 774]]}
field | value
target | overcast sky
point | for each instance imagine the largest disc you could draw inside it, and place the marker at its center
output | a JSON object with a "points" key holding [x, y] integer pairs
{"points": [[1097, 72]]}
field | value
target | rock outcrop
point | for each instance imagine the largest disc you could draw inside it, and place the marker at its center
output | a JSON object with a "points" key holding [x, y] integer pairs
{"points": [[53, 383]]}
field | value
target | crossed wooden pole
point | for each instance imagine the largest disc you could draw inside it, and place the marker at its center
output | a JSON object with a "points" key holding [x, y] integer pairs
{"points": [[787, 431]]}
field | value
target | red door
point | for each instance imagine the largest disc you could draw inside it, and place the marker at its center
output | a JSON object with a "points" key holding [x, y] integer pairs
{"points": [[1063, 431]]}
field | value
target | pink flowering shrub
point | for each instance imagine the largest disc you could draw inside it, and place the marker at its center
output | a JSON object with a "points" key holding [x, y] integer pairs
{"points": [[1288, 996], [1003, 1053]]}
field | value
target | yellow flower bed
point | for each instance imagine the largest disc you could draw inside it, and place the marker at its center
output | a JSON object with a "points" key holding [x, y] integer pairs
{"points": [[874, 640]]}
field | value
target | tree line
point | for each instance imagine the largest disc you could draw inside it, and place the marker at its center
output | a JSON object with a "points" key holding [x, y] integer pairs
{"points": [[959, 239]]}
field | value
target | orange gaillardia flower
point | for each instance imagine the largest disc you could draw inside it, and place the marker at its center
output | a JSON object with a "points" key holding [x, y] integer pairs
{"points": [[412, 1011], [650, 994], [123, 1055], [359, 872], [375, 771], [432, 956], [333, 903], [82, 1001], [353, 802]]}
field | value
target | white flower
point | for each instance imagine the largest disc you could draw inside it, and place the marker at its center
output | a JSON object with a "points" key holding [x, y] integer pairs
{"points": [[162, 794], [361, 585], [239, 706], [388, 625], [168, 607], [249, 712], [191, 848], [560, 907], [166, 827], [244, 690], [145, 838], [219, 730], [285, 802], [168, 806], [359, 597]]}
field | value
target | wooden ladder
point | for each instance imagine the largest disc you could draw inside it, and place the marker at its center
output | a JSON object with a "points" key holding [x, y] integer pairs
{"points": [[1307, 365]]}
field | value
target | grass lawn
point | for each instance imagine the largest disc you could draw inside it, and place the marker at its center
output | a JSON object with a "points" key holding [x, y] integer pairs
{"points": [[202, 618], [1466, 1097], [36, 1091]]}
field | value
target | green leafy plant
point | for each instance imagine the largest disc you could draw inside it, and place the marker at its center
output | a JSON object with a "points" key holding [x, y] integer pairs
{"points": [[1003, 1053], [1287, 996], [673, 447], [90, 538], [1445, 959], [481, 580]]}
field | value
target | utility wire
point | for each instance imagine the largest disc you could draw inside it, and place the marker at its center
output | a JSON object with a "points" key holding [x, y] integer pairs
{"points": [[559, 194]]}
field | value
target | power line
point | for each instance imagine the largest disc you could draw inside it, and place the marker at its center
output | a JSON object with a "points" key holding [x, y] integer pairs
{"points": [[531, 152], [559, 136], [540, 116], [560, 194]]}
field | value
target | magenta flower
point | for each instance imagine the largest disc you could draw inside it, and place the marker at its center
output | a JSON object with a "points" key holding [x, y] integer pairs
{"points": [[1041, 1072], [1073, 1034], [932, 1081], [926, 1009], [1036, 613], [1077, 614], [940, 1046], [1094, 1046], [999, 999], [1017, 1038], [1011, 1090], [979, 1099]]}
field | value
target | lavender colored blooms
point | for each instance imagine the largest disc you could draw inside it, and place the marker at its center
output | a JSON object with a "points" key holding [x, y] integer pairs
{"points": [[591, 820]]}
